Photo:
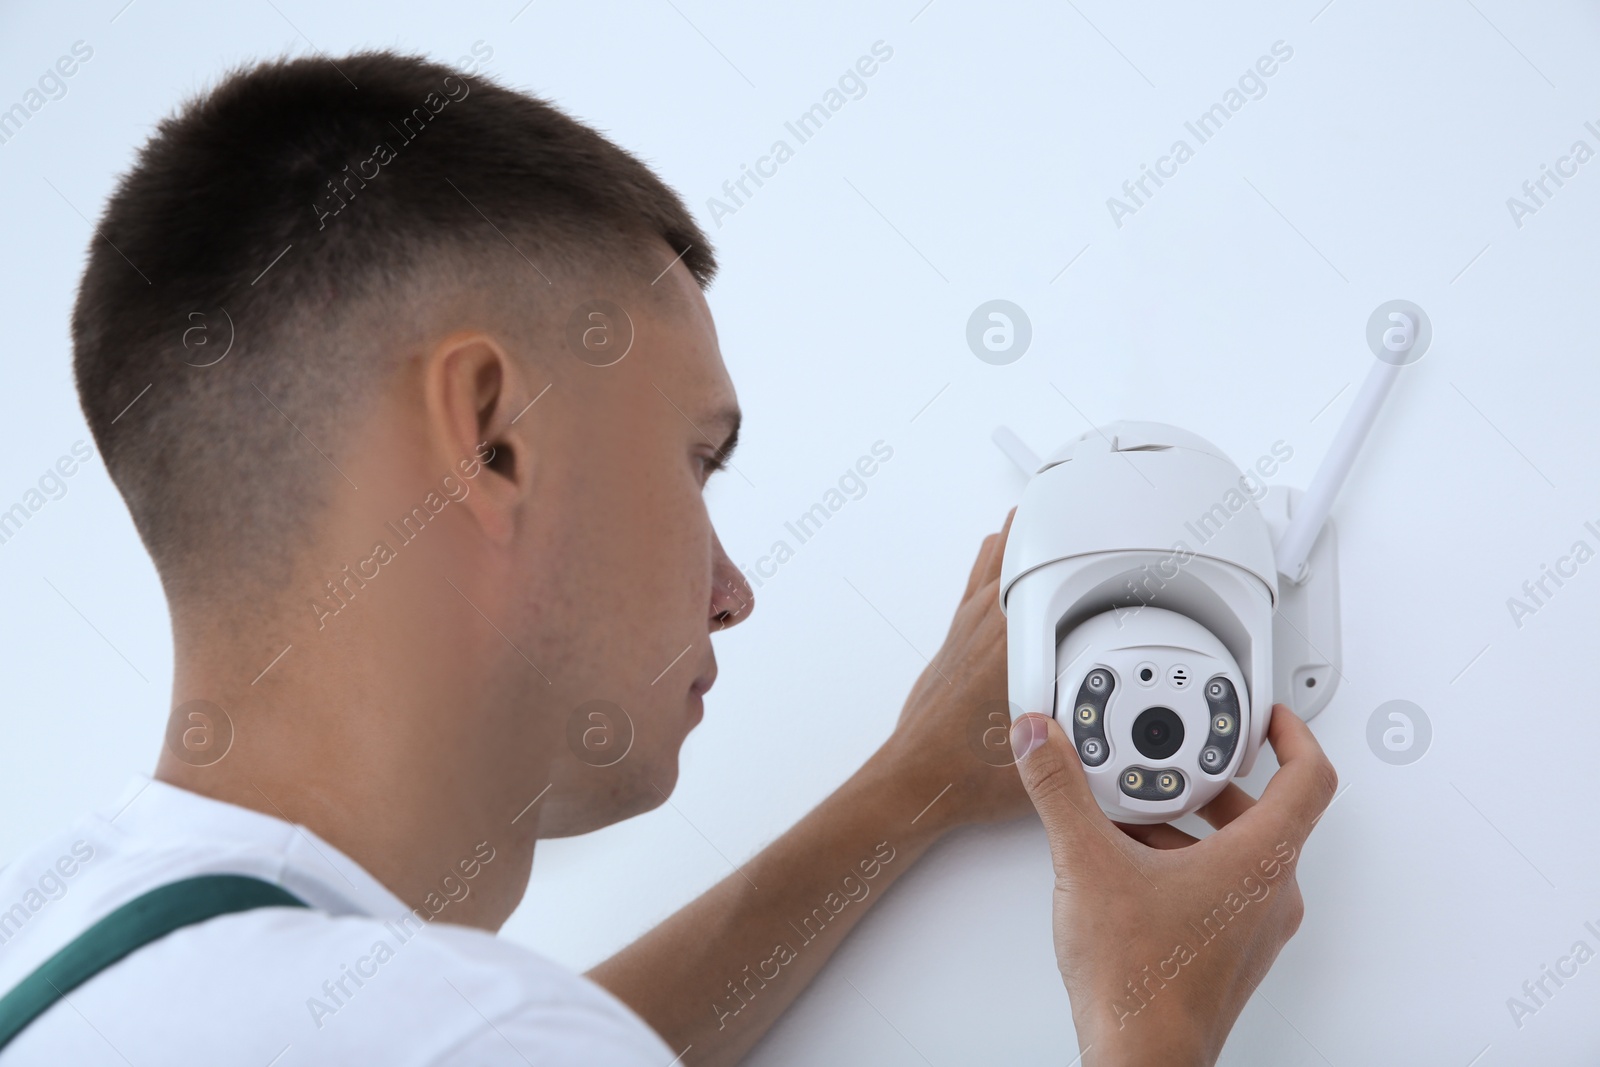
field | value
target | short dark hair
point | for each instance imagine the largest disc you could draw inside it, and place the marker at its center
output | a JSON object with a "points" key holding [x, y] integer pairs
{"points": [[299, 204]]}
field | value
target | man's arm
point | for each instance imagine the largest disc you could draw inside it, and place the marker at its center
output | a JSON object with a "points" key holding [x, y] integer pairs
{"points": [[719, 972], [714, 976]]}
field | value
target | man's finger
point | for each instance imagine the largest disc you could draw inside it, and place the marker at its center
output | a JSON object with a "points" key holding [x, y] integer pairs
{"points": [[1161, 835], [991, 572], [1053, 776], [1306, 782], [980, 567], [986, 568], [1226, 806]]}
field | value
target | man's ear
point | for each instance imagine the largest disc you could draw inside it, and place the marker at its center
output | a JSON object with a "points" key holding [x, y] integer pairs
{"points": [[473, 391]]}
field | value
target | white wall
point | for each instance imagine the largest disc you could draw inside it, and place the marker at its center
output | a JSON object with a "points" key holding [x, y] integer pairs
{"points": [[977, 166]]}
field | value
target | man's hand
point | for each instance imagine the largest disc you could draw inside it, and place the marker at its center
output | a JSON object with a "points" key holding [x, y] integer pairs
{"points": [[1160, 938], [952, 730]]}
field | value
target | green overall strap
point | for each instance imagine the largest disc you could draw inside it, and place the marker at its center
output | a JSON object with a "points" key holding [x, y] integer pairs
{"points": [[137, 923]]}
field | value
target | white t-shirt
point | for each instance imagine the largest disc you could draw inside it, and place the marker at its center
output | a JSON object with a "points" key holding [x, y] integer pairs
{"points": [[356, 978]]}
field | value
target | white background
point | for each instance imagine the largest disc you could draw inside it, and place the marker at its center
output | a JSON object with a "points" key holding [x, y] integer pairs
{"points": [[977, 166]]}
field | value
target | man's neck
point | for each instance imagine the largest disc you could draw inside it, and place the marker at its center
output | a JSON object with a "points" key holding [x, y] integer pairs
{"points": [[390, 766]]}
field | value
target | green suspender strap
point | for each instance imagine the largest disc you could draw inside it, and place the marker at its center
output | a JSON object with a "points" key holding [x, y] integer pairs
{"points": [[137, 923]]}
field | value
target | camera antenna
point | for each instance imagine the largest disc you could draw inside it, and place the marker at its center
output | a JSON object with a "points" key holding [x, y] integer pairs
{"points": [[1396, 346], [1016, 450]]}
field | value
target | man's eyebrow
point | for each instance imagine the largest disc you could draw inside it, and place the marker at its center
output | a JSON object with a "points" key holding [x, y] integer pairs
{"points": [[729, 416]]}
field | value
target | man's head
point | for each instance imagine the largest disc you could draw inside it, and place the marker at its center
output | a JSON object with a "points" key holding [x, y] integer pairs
{"points": [[412, 374]]}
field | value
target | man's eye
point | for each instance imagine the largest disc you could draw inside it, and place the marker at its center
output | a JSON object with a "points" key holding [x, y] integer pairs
{"points": [[709, 465]]}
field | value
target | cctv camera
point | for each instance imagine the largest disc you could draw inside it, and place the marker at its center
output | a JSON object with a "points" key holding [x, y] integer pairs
{"points": [[1139, 588], [1158, 612]]}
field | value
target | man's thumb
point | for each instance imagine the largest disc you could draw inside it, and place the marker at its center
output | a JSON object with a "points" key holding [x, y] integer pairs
{"points": [[1053, 776]]}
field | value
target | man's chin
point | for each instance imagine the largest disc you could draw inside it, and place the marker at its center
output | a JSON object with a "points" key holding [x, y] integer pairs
{"points": [[607, 802]]}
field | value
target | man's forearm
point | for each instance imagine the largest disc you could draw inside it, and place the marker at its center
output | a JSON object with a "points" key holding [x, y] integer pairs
{"points": [[715, 975]]}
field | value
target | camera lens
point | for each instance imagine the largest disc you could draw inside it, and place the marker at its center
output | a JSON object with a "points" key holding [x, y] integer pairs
{"points": [[1157, 733]]}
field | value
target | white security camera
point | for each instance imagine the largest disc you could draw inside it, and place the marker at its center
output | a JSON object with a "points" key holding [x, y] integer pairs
{"points": [[1158, 603], [1139, 587]]}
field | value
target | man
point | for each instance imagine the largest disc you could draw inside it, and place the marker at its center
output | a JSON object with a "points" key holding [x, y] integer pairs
{"points": [[425, 495]]}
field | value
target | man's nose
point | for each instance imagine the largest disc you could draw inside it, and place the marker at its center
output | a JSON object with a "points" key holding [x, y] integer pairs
{"points": [[732, 600]]}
